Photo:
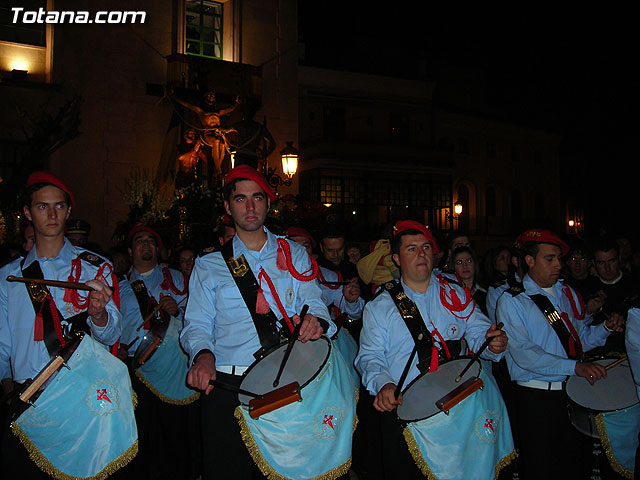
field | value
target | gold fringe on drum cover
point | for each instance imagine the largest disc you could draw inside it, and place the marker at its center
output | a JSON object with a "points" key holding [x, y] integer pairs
{"points": [[426, 471], [46, 466], [164, 398], [267, 470], [606, 446]]}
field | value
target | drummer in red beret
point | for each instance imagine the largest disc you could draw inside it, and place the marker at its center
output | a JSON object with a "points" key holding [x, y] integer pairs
{"points": [[549, 330], [227, 322], [409, 329], [34, 327]]}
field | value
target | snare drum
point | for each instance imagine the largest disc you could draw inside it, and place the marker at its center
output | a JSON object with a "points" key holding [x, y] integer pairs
{"points": [[420, 396], [164, 372], [316, 430], [82, 425], [473, 441], [304, 364], [615, 392]]}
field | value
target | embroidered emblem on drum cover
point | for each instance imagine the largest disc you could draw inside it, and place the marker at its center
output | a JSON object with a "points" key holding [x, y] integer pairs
{"points": [[289, 296], [487, 426], [102, 398], [328, 422], [453, 331]]}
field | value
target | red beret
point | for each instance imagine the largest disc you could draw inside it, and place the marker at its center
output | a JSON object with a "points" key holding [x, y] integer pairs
{"points": [[249, 173], [143, 228], [50, 178], [300, 232], [404, 225], [542, 236]]}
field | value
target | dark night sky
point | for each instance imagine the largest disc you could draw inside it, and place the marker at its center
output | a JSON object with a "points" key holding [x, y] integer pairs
{"points": [[566, 72]]}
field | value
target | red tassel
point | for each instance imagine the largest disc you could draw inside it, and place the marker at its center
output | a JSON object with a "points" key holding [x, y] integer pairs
{"points": [[281, 263], [262, 306], [434, 359], [38, 331]]}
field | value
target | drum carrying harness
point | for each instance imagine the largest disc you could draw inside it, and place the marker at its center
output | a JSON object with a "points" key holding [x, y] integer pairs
{"points": [[48, 327], [265, 323], [428, 354], [561, 325]]}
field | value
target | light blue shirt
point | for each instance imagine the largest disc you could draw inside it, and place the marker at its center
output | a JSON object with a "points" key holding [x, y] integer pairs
{"points": [[21, 357], [493, 294], [632, 342], [217, 319], [385, 341], [534, 351], [131, 315], [335, 296]]}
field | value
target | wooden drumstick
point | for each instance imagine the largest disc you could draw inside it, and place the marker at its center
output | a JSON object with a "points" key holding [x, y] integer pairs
{"points": [[234, 389], [148, 317], [477, 355], [51, 283], [292, 341], [405, 372], [617, 362]]}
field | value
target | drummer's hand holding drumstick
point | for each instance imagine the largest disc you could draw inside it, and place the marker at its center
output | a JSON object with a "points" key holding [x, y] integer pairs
{"points": [[615, 322], [590, 371], [386, 400], [202, 371], [168, 304], [500, 340], [351, 291], [310, 329], [98, 299]]}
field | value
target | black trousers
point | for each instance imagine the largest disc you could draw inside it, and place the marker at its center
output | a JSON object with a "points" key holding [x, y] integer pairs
{"points": [[224, 453], [397, 461], [549, 445]]}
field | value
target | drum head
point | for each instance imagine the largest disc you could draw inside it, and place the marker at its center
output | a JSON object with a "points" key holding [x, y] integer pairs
{"points": [[304, 364], [144, 345], [420, 397], [615, 392]]}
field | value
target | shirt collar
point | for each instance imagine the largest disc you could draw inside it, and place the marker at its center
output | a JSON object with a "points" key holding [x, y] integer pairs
{"points": [[66, 253], [239, 248], [531, 287]]}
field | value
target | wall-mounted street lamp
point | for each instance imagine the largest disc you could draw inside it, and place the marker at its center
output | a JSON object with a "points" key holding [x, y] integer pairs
{"points": [[457, 208], [289, 155]]}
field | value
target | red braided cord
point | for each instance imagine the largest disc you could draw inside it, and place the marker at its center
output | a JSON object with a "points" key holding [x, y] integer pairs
{"points": [[303, 277], [573, 336], [331, 287], [449, 306], [579, 315], [274, 292], [168, 284]]}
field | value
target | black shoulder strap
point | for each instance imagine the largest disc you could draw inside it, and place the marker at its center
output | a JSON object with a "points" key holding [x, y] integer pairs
{"points": [[414, 322], [43, 304], [146, 304], [265, 323], [554, 319]]}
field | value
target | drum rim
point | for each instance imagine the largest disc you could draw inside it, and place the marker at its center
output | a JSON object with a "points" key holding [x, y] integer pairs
{"points": [[277, 347], [584, 407], [462, 357]]}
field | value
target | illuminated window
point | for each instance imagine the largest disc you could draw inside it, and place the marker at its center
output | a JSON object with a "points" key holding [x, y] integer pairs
{"points": [[330, 190], [204, 28], [26, 33]]}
